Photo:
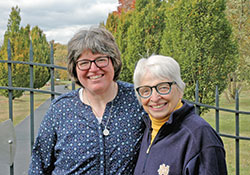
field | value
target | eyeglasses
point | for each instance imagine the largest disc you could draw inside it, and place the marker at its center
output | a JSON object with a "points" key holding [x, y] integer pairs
{"points": [[163, 88], [100, 62]]}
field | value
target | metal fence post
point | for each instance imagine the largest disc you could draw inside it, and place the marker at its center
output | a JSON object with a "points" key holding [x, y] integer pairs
{"points": [[10, 83], [237, 131], [52, 79], [197, 107], [31, 99], [73, 85], [10, 94], [217, 122]]}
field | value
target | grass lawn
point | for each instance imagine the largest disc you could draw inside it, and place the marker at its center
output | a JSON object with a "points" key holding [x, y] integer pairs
{"points": [[21, 106], [227, 126]]}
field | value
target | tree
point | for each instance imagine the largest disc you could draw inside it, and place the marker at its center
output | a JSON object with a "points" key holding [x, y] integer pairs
{"points": [[20, 49], [125, 6], [18, 39], [122, 40], [198, 36], [196, 33], [13, 22], [41, 51], [112, 22], [238, 14], [144, 33], [60, 56], [118, 22]]}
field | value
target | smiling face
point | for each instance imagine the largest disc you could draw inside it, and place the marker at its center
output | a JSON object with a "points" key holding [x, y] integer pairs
{"points": [[159, 106], [96, 80]]}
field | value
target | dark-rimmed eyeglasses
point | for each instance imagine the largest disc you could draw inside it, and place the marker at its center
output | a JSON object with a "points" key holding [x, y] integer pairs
{"points": [[163, 88], [100, 62]]}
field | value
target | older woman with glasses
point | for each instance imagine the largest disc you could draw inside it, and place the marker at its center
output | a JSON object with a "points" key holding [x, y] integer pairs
{"points": [[96, 129], [176, 140]]}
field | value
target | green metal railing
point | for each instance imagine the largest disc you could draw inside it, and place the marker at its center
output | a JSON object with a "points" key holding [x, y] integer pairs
{"points": [[217, 109], [31, 89]]}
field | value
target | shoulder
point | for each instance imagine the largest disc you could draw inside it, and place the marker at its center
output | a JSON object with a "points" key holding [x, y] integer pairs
{"points": [[126, 89], [190, 120], [201, 132], [67, 97], [63, 104], [125, 85], [126, 96]]}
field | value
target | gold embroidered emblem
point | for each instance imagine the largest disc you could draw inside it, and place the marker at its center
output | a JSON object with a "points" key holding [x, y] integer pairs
{"points": [[163, 170]]}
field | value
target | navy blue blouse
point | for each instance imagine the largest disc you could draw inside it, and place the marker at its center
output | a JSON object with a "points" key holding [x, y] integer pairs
{"points": [[71, 141]]}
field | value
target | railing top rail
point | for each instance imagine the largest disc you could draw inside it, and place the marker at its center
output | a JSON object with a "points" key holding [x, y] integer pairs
{"points": [[234, 137], [219, 108], [30, 89], [34, 63]]}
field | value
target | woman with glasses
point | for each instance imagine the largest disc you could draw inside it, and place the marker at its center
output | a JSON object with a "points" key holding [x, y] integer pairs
{"points": [[176, 140], [96, 129]]}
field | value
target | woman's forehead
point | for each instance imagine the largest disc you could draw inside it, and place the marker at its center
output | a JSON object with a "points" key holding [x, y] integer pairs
{"points": [[151, 80]]}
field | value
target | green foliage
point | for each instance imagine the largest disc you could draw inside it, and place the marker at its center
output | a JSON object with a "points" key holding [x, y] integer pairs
{"points": [[60, 56], [121, 38], [14, 22], [238, 14], [41, 51], [19, 38], [144, 35], [197, 35], [140, 4], [15, 35], [111, 23]]}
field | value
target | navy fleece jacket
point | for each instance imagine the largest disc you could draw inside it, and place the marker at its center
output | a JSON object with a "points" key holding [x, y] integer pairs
{"points": [[185, 145]]}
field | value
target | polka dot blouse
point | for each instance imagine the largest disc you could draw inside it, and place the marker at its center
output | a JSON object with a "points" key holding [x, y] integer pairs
{"points": [[70, 139]]}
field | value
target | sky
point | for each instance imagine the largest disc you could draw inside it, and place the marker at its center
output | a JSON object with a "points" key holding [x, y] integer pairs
{"points": [[58, 19]]}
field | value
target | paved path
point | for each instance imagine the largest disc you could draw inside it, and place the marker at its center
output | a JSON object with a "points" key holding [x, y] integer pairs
{"points": [[23, 149]]}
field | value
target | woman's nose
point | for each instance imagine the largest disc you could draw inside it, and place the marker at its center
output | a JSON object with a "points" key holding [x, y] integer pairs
{"points": [[93, 67], [155, 95]]}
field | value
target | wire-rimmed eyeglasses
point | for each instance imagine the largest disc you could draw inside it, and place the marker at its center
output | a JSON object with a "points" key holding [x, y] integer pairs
{"points": [[100, 62], [163, 88]]}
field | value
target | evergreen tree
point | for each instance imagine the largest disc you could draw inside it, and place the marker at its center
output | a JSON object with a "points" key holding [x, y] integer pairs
{"points": [[41, 50], [144, 33], [13, 22], [18, 38], [118, 23], [20, 49], [121, 36], [238, 14], [197, 35], [112, 22], [60, 56]]}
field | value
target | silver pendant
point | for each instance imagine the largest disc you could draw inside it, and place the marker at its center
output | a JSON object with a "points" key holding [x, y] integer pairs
{"points": [[106, 132]]}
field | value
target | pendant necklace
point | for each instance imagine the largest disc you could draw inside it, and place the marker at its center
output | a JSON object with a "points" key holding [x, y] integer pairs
{"points": [[105, 131]]}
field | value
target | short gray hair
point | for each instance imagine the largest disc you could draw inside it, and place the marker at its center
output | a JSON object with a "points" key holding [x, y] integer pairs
{"points": [[162, 67], [99, 41]]}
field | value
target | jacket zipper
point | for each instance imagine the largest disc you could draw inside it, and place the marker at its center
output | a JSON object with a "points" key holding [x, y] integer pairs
{"points": [[145, 162], [147, 152], [148, 149]]}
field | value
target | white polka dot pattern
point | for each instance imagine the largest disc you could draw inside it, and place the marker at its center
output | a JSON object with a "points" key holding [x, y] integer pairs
{"points": [[70, 140]]}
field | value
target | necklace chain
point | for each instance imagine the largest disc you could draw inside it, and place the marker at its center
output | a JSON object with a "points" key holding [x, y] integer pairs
{"points": [[105, 131], [92, 106]]}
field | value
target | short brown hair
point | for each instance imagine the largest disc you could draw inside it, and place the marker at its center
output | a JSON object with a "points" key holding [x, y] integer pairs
{"points": [[99, 41]]}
